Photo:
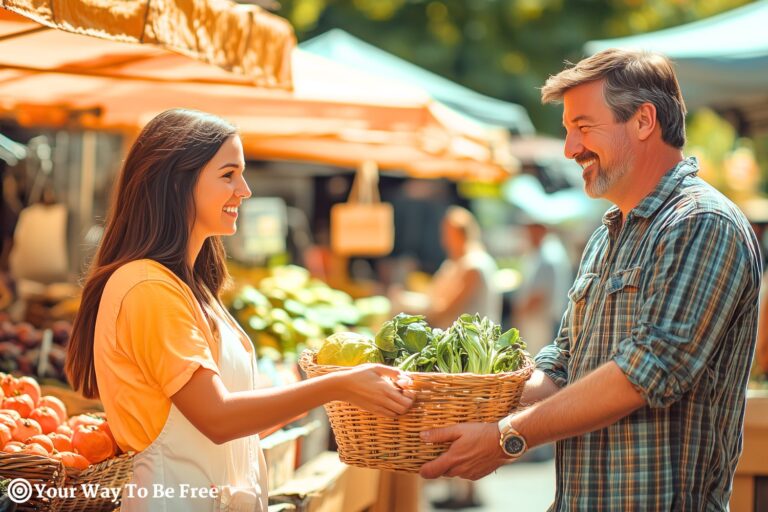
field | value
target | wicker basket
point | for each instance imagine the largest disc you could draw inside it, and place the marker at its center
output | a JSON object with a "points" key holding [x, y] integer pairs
{"points": [[112, 473], [379, 442]]}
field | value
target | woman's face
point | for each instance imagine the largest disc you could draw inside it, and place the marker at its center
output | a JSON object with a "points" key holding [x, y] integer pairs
{"points": [[219, 191]]}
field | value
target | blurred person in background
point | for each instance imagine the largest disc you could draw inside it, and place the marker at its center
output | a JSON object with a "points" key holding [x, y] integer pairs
{"points": [[464, 281], [543, 295], [644, 389], [758, 217], [541, 299], [462, 284]]}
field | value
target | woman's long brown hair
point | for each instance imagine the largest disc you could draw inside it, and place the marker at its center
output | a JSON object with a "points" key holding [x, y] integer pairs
{"points": [[151, 216]]}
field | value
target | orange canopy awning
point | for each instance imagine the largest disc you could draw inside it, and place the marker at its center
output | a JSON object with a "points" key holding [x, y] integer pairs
{"points": [[333, 114], [243, 39]]}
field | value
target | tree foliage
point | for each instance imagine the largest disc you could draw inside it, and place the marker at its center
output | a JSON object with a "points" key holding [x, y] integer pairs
{"points": [[502, 48]]}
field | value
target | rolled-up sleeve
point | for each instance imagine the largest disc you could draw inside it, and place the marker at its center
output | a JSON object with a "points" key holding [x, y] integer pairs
{"points": [[700, 271], [553, 358], [163, 336]]}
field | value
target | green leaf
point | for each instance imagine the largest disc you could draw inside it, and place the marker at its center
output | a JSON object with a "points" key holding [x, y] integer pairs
{"points": [[409, 363], [508, 338], [385, 338], [416, 338]]}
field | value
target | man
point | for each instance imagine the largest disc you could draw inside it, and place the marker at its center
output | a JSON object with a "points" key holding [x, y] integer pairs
{"points": [[644, 387]]}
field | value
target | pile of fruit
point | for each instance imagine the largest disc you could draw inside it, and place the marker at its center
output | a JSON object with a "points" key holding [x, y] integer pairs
{"points": [[288, 310], [39, 425], [21, 344]]}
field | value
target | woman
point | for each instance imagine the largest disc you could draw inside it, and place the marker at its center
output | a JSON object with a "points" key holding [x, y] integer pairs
{"points": [[175, 372]]}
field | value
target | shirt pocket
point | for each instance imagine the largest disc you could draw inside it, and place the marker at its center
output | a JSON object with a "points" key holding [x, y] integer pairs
{"points": [[621, 296], [580, 304]]}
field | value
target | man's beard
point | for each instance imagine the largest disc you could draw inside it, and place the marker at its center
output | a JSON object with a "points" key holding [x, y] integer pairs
{"points": [[604, 178]]}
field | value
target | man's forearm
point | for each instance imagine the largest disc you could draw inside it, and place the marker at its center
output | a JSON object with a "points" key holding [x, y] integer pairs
{"points": [[596, 401], [538, 387]]}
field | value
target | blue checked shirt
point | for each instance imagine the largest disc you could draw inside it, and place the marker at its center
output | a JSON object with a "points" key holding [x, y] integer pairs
{"points": [[671, 298]]}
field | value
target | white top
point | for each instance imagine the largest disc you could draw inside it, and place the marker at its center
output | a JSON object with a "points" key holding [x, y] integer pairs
{"points": [[181, 460]]}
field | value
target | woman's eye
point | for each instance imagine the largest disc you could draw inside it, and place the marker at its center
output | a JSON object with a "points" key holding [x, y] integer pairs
{"points": [[229, 174]]}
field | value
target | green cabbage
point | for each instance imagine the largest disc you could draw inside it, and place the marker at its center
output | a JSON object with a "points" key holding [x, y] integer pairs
{"points": [[348, 349], [385, 338]]}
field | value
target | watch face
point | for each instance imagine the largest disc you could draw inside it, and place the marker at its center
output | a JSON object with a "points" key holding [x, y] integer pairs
{"points": [[513, 445]]}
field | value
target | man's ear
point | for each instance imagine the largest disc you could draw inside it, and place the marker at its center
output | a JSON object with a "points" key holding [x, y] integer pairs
{"points": [[645, 120]]}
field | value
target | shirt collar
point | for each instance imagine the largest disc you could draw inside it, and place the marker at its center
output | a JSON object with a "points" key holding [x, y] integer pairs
{"points": [[653, 201]]}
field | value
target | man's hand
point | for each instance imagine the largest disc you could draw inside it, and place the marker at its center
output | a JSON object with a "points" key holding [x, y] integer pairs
{"points": [[474, 451]]}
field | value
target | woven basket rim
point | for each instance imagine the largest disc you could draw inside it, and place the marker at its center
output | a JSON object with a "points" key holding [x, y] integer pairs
{"points": [[99, 466], [60, 465], [310, 356]]}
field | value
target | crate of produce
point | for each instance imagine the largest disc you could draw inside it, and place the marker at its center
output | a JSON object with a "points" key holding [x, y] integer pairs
{"points": [[442, 398], [69, 463], [63, 485]]}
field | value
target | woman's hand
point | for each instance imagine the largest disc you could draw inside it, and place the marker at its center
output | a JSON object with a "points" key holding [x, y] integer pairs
{"points": [[377, 388]]}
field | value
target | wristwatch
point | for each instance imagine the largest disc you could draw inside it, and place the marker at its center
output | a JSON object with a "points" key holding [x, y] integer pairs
{"points": [[512, 442]]}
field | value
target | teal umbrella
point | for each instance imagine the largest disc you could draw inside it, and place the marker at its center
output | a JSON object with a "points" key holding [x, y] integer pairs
{"points": [[564, 208], [340, 46], [721, 61]]}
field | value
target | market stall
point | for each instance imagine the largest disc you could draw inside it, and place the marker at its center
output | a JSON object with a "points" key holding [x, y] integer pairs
{"points": [[334, 114], [138, 44], [290, 105], [750, 485]]}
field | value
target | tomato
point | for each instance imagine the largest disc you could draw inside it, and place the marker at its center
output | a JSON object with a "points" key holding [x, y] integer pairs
{"points": [[29, 386], [93, 443], [46, 417], [26, 428], [22, 404], [43, 441], [55, 404]]}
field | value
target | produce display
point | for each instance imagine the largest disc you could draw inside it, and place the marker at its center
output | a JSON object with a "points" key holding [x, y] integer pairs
{"points": [[287, 311], [39, 425], [471, 345], [21, 345]]}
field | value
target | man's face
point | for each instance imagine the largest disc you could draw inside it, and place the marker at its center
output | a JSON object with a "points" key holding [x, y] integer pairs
{"points": [[595, 140]]}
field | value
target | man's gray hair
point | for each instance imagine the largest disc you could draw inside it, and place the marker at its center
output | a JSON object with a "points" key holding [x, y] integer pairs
{"points": [[631, 79]]}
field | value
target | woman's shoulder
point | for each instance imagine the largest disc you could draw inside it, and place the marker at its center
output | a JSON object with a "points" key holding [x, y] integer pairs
{"points": [[142, 277]]}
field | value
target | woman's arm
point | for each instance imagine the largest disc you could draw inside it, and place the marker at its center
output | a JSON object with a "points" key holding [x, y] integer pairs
{"points": [[223, 416]]}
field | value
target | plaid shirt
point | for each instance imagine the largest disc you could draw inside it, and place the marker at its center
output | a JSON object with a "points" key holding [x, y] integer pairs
{"points": [[671, 298]]}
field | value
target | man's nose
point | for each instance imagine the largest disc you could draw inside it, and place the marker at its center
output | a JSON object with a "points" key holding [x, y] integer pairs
{"points": [[573, 145]]}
